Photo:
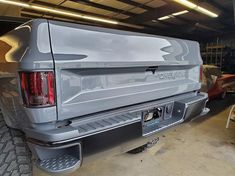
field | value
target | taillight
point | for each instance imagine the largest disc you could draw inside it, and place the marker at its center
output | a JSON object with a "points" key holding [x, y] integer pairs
{"points": [[37, 88], [201, 73]]}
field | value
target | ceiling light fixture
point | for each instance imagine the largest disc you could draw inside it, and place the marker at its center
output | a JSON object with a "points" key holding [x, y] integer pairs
{"points": [[180, 13], [197, 8], [173, 15], [57, 11], [21, 4], [164, 18], [39, 8]]}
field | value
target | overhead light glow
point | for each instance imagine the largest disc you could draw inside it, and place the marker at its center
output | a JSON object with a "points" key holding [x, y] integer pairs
{"points": [[21, 4], [180, 13], [39, 8], [164, 18], [99, 19], [57, 11], [172, 15], [206, 12], [187, 3], [197, 8]]}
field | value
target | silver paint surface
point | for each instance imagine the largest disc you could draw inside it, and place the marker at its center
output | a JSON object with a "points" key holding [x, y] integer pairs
{"points": [[27, 47], [96, 69], [100, 69]]}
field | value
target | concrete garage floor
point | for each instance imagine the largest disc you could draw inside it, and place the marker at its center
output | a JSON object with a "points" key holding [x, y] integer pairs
{"points": [[198, 148]]}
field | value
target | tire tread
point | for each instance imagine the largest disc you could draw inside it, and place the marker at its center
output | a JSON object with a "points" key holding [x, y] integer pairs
{"points": [[15, 157]]}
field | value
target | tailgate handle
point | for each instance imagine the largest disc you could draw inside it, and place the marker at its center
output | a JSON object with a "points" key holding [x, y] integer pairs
{"points": [[152, 69]]}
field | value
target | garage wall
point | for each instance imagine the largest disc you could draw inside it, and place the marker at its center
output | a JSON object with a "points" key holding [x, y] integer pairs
{"points": [[226, 39]]}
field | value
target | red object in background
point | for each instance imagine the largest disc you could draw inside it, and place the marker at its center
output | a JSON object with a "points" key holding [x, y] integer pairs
{"points": [[216, 83], [222, 85]]}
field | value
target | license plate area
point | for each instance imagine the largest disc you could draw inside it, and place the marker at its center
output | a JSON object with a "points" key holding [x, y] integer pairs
{"points": [[160, 117], [153, 115]]}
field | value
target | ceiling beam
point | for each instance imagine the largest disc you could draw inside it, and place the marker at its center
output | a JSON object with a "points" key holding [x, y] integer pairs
{"points": [[70, 10], [154, 14], [34, 14], [176, 31], [208, 24], [172, 32], [136, 4], [172, 7], [216, 5], [147, 28], [221, 20], [226, 16], [104, 7]]}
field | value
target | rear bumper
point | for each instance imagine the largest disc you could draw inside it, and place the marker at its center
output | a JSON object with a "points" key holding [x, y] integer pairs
{"points": [[115, 137]]}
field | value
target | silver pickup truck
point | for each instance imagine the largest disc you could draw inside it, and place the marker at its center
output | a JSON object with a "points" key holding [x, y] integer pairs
{"points": [[80, 92]]}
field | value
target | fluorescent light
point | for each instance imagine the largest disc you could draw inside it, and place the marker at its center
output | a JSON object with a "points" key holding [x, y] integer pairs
{"points": [[62, 12], [180, 13], [99, 19], [57, 11], [164, 18], [197, 8], [21, 4], [40, 8], [67, 13], [187, 3], [206, 12], [172, 15]]}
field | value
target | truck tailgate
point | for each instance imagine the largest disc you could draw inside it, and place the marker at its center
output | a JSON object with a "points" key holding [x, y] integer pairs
{"points": [[101, 69]]}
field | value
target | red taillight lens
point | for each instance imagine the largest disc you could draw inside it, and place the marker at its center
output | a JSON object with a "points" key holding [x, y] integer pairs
{"points": [[201, 73], [37, 88]]}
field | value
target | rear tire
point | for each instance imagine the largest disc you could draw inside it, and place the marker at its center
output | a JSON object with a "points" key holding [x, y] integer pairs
{"points": [[15, 157]]}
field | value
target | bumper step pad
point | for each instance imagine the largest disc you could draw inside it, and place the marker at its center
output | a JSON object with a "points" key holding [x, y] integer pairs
{"points": [[58, 159], [59, 164]]}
